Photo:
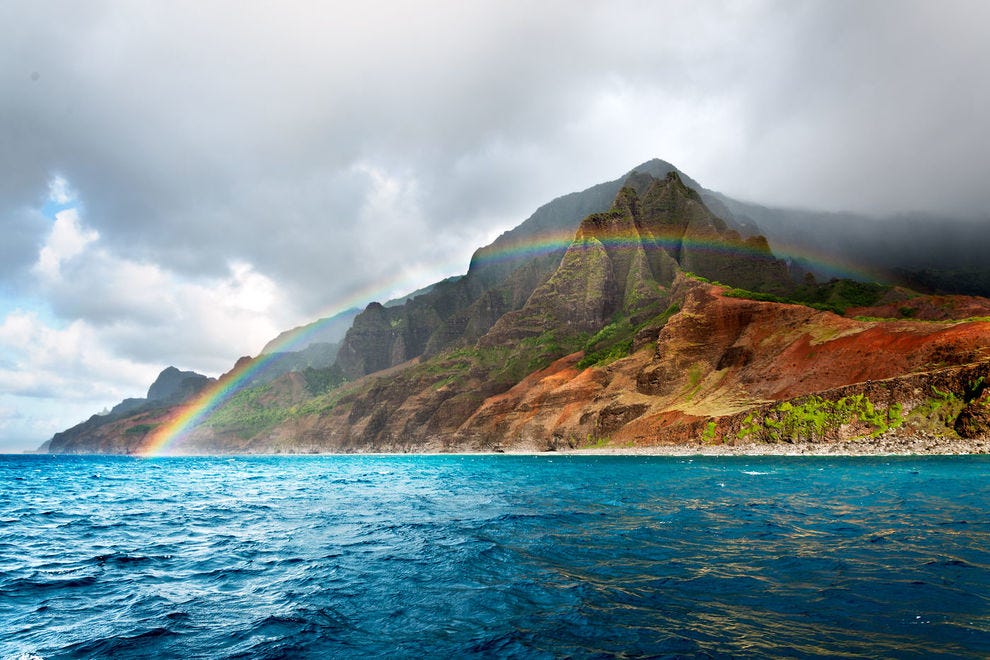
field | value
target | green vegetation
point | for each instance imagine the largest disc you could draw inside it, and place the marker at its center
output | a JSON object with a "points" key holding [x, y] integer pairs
{"points": [[843, 294], [609, 344], [708, 436], [694, 376], [974, 389], [815, 419], [321, 404], [699, 278], [615, 341], [249, 412], [938, 412], [833, 296], [500, 367], [757, 295], [595, 442], [539, 351], [319, 381], [140, 429]]}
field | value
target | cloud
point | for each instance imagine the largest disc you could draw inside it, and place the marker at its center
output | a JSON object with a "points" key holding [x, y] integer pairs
{"points": [[23, 233], [66, 364], [869, 107], [70, 367], [67, 240], [59, 190], [197, 135], [284, 155], [140, 309], [111, 323]]}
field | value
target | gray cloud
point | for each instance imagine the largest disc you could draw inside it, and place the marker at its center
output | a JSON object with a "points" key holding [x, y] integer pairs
{"points": [[872, 107], [333, 147], [196, 134], [23, 232]]}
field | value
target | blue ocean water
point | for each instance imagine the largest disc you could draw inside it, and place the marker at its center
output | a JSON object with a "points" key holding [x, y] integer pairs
{"points": [[494, 556]]}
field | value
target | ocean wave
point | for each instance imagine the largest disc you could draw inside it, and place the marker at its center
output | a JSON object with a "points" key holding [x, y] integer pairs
{"points": [[445, 556]]}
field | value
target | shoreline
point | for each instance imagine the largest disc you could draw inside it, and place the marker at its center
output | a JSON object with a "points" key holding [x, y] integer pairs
{"points": [[889, 446], [921, 445]]}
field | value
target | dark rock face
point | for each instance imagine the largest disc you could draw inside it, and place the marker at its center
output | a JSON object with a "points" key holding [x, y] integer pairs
{"points": [[175, 385], [625, 260], [526, 326], [128, 406], [170, 388], [384, 337], [974, 420], [367, 346]]}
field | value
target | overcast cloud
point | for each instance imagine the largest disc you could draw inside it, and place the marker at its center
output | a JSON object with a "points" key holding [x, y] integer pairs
{"points": [[180, 181]]}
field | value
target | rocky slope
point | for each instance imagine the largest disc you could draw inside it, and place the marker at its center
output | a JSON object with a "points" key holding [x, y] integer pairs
{"points": [[500, 279], [720, 359], [129, 421], [658, 322], [714, 369]]}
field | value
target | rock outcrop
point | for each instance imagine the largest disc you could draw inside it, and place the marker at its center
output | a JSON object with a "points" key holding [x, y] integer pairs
{"points": [[122, 429], [656, 322], [173, 386], [974, 420], [622, 262], [503, 275]]}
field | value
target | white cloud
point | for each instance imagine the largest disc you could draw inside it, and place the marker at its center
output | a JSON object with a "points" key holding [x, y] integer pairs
{"points": [[59, 190], [148, 314], [70, 363], [287, 155], [68, 239], [115, 323], [247, 290]]}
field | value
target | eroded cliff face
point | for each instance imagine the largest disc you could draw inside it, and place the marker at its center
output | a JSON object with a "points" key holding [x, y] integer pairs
{"points": [[620, 260], [123, 429], [612, 341], [623, 261], [720, 358], [712, 373]]}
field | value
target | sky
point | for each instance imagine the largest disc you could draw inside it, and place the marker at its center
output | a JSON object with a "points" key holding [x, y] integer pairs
{"points": [[180, 181]]}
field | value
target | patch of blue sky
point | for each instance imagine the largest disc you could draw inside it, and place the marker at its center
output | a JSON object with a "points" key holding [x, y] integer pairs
{"points": [[34, 306], [52, 207]]}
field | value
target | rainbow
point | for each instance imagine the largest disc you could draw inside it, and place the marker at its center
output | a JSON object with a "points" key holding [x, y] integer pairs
{"points": [[549, 242], [191, 414]]}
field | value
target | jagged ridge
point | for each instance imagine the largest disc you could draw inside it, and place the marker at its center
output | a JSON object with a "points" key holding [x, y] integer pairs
{"points": [[491, 359]]}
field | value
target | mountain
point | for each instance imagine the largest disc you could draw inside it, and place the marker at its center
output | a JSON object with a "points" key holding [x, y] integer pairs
{"points": [[640, 311], [172, 387], [328, 330], [500, 278], [934, 254]]}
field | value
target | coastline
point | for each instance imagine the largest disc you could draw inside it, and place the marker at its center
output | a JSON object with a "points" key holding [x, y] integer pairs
{"points": [[898, 446], [891, 445]]}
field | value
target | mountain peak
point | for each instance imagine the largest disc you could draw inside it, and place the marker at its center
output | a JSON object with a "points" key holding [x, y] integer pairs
{"points": [[661, 169], [175, 384], [611, 334]]}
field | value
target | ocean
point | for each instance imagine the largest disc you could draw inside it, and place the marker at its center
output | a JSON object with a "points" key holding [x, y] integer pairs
{"points": [[494, 556]]}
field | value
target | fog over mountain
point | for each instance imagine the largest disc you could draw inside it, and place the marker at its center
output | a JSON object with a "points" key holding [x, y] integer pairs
{"points": [[182, 182]]}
